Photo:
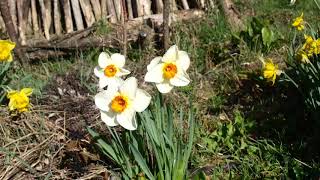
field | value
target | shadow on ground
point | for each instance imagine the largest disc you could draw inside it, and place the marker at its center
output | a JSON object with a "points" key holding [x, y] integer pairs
{"points": [[280, 115]]}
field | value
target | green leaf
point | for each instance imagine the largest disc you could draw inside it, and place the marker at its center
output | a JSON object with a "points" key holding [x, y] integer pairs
{"points": [[108, 149], [141, 161], [267, 36]]}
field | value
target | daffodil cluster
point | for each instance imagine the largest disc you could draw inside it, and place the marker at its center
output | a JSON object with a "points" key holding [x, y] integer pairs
{"points": [[310, 47], [121, 99]]}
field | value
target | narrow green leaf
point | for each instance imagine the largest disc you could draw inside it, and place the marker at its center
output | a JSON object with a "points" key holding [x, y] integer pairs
{"points": [[141, 162]]}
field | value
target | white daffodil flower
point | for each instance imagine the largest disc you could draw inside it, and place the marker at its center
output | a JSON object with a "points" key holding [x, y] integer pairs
{"points": [[110, 69], [119, 104], [170, 70]]}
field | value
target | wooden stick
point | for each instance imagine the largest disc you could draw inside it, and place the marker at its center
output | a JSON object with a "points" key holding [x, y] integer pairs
{"points": [[96, 9], [77, 14], [57, 17], [67, 16], [129, 7], [159, 5], [44, 19], [124, 28], [146, 5], [2, 25], [117, 7], [111, 11], [166, 18], [104, 12], [202, 4], [13, 11], [139, 8], [185, 4], [29, 30], [174, 5], [87, 12], [48, 6], [232, 14], [22, 9], [34, 15], [211, 2]]}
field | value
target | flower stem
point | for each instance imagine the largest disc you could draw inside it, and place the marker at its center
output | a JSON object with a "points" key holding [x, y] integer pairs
{"points": [[291, 80]]}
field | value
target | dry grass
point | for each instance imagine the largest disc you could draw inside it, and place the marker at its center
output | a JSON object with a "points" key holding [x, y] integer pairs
{"points": [[32, 146]]}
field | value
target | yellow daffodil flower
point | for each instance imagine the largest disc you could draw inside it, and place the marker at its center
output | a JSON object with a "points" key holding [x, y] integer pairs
{"points": [[119, 104], [310, 45], [6, 47], [317, 47], [19, 100], [170, 70], [270, 71], [303, 57], [298, 23], [110, 69]]}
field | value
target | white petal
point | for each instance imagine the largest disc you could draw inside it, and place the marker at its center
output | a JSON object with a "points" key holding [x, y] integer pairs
{"points": [[122, 72], [104, 81], [98, 72], [112, 81], [164, 87], [153, 63], [171, 55], [109, 118], [142, 100], [103, 98], [180, 79], [104, 60], [155, 74], [118, 60], [127, 119], [129, 87], [183, 60]]}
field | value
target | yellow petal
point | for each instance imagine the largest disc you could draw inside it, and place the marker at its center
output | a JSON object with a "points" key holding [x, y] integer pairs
{"points": [[10, 58], [11, 93], [27, 91], [11, 45]]}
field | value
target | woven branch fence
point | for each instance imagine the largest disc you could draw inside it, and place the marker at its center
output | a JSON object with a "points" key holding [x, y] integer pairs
{"points": [[62, 23]]}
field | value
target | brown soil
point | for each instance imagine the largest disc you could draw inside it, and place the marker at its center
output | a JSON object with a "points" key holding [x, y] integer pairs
{"points": [[70, 105]]}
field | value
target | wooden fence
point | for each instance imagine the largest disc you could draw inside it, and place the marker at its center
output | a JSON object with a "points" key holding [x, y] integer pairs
{"points": [[41, 23]]}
